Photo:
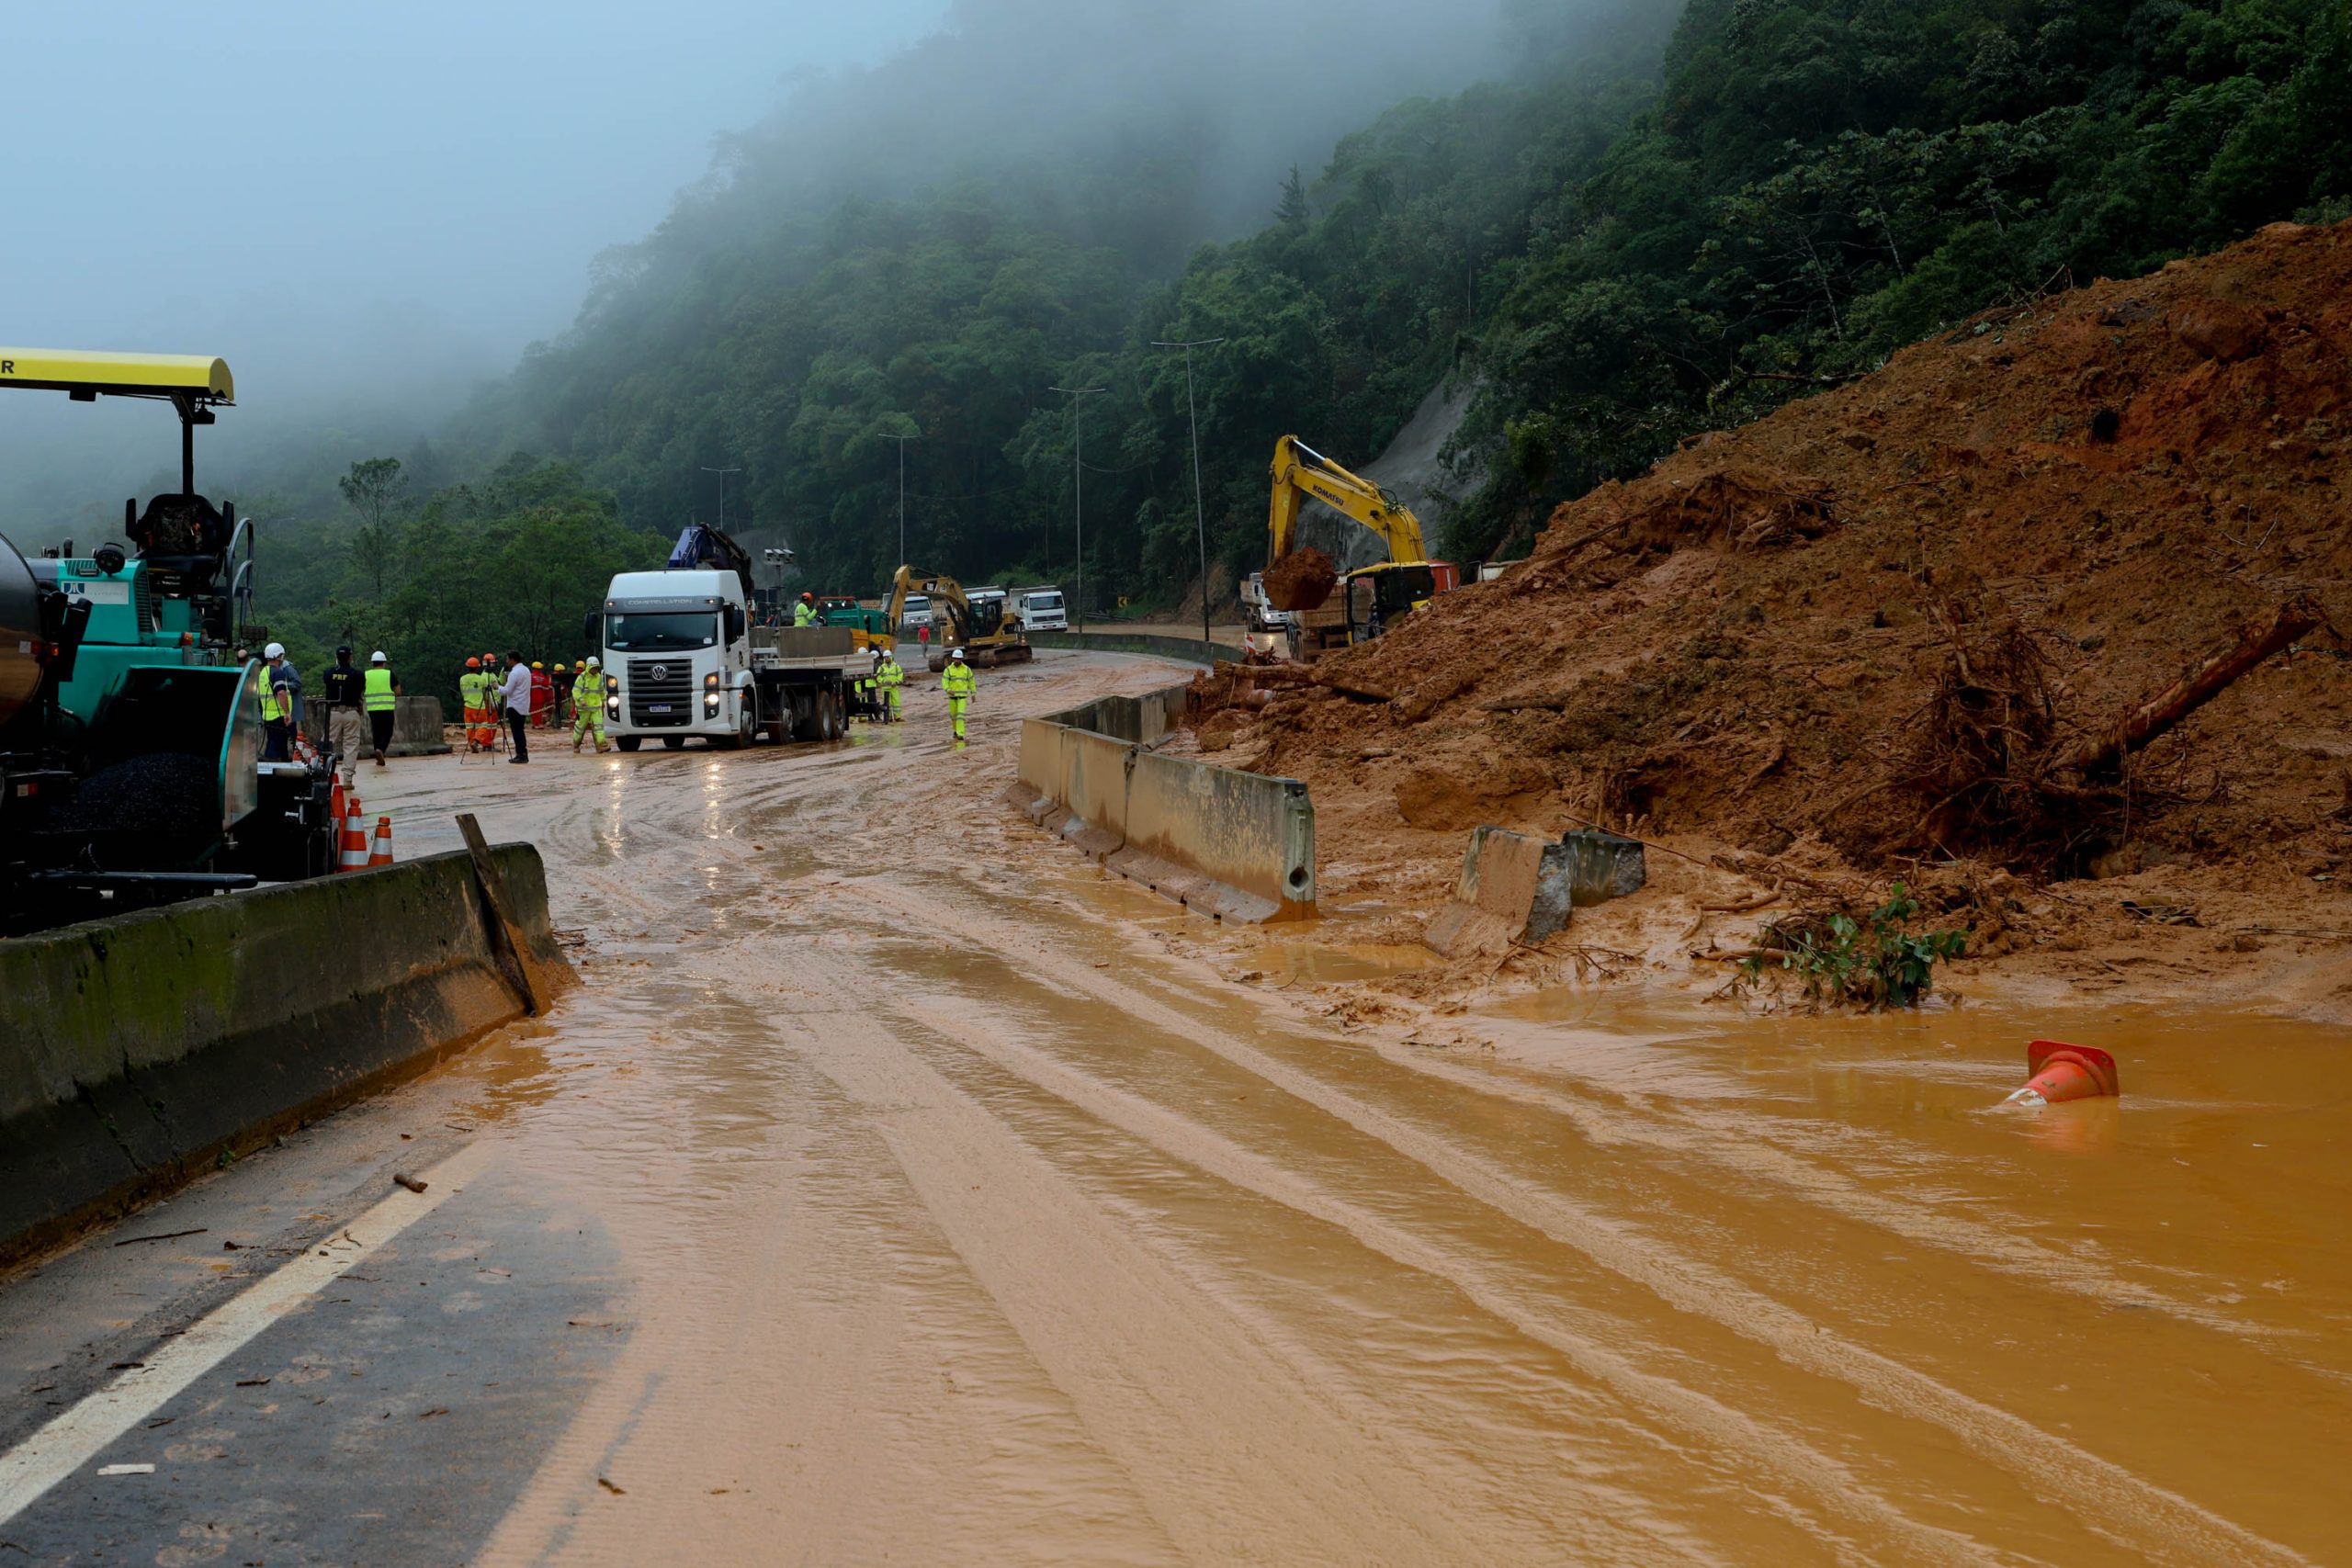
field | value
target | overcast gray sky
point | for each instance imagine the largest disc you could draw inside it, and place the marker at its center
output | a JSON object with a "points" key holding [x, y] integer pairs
{"points": [[465, 159], [300, 187]]}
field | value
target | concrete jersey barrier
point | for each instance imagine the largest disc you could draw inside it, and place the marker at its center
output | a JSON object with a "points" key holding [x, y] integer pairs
{"points": [[1190, 650], [1519, 889], [1226, 843], [134, 1051]]}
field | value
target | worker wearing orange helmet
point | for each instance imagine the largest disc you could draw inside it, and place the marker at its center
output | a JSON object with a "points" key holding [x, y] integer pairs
{"points": [[804, 613], [473, 693]]}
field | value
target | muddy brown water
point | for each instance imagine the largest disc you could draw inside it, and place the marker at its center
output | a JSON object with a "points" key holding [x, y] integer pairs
{"points": [[969, 1216]]}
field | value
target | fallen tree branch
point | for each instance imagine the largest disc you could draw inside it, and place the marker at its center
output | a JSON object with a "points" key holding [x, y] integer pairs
{"points": [[2160, 713]]}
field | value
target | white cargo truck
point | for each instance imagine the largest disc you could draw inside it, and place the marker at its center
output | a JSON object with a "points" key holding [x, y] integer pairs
{"points": [[1041, 609], [682, 659]]}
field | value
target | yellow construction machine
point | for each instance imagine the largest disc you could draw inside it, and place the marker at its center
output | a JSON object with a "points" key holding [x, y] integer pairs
{"points": [[1370, 598], [980, 621]]}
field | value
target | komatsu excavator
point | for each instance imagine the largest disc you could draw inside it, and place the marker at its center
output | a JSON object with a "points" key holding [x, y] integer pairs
{"points": [[1370, 598], [981, 622]]}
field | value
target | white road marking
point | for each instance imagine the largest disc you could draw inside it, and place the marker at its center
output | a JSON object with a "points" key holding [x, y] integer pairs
{"points": [[75, 1437]]}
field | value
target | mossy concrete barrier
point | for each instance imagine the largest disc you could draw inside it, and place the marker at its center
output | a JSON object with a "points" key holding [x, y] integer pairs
{"points": [[139, 1050], [1230, 844]]}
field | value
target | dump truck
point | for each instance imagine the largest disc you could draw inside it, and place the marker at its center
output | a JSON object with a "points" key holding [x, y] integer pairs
{"points": [[682, 657], [130, 740]]}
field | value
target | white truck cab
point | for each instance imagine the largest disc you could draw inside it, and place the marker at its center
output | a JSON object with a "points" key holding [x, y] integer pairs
{"points": [[1042, 609], [677, 658]]}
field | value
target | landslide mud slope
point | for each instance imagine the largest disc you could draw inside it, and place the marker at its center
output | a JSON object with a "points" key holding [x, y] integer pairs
{"points": [[1768, 639]]}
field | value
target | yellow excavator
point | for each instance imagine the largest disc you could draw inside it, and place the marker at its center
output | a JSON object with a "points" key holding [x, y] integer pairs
{"points": [[980, 621], [1370, 598]]}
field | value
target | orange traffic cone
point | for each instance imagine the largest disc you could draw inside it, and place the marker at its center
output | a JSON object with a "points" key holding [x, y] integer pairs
{"points": [[334, 804], [381, 851], [2059, 1071], [354, 840]]}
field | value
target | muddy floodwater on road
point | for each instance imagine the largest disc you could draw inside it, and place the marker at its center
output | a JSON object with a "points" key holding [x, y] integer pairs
{"points": [[895, 1189]]}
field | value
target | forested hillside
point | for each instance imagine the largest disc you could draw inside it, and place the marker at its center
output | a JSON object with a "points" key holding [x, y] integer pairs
{"points": [[1630, 236]]}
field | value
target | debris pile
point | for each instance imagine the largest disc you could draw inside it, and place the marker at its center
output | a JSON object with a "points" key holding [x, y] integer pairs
{"points": [[2056, 592]]}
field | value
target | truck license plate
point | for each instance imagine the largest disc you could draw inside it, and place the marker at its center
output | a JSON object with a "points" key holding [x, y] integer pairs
{"points": [[656, 707]]}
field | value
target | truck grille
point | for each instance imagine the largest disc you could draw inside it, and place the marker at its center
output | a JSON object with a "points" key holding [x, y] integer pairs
{"points": [[657, 700]]}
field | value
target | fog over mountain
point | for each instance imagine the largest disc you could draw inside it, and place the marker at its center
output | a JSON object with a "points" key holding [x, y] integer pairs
{"points": [[369, 213]]}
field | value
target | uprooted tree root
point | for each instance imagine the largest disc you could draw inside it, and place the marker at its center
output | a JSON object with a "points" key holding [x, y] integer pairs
{"points": [[2004, 771], [1984, 748]]}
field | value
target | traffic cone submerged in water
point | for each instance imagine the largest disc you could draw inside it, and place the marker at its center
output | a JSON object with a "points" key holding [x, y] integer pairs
{"points": [[2060, 1072], [380, 853]]}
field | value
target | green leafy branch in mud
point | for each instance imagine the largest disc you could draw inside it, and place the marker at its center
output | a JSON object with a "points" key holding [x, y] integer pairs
{"points": [[1877, 962]]}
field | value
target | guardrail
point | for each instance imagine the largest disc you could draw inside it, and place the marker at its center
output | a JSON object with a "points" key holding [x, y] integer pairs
{"points": [[1225, 844]]}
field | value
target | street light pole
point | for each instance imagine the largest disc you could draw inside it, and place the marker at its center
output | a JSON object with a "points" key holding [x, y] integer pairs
{"points": [[902, 441], [1078, 474], [722, 474], [1200, 513]]}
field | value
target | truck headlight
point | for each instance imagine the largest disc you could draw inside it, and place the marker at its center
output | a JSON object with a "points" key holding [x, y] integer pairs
{"points": [[613, 705]]}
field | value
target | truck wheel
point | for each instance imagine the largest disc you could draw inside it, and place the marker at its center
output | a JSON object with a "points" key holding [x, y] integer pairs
{"points": [[673, 743], [747, 727], [628, 742]]}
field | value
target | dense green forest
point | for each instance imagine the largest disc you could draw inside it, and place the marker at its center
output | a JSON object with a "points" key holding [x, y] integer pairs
{"points": [[1655, 226]]}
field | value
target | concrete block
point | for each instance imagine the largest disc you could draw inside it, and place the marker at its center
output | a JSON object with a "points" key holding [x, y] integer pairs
{"points": [[1514, 888], [1603, 867]]}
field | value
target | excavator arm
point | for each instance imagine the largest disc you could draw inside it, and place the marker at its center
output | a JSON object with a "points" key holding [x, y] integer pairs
{"points": [[1301, 471], [938, 587]]}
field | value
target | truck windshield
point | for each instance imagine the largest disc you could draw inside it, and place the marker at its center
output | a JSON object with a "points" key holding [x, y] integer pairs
{"points": [[1044, 601], [657, 633]]}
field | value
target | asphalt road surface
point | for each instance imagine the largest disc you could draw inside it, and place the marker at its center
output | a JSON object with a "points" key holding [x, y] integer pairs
{"points": [[894, 1188]]}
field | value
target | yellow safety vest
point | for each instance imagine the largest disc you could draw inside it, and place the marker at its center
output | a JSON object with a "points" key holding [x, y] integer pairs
{"points": [[958, 680], [588, 691], [270, 712], [889, 675], [471, 689], [376, 689]]}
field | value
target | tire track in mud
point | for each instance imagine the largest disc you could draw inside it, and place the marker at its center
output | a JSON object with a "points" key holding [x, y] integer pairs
{"points": [[1875, 1529], [2126, 1508], [1239, 1460]]}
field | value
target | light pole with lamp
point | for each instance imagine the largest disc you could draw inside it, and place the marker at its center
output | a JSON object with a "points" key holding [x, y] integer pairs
{"points": [[722, 474], [1200, 513], [902, 441], [1077, 473]]}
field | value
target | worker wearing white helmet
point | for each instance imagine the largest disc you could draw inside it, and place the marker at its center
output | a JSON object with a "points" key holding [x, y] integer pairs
{"points": [[961, 685], [379, 695], [588, 704], [278, 686]]}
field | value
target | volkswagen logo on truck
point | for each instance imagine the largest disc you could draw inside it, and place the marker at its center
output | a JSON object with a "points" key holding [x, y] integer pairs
{"points": [[659, 671]]}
